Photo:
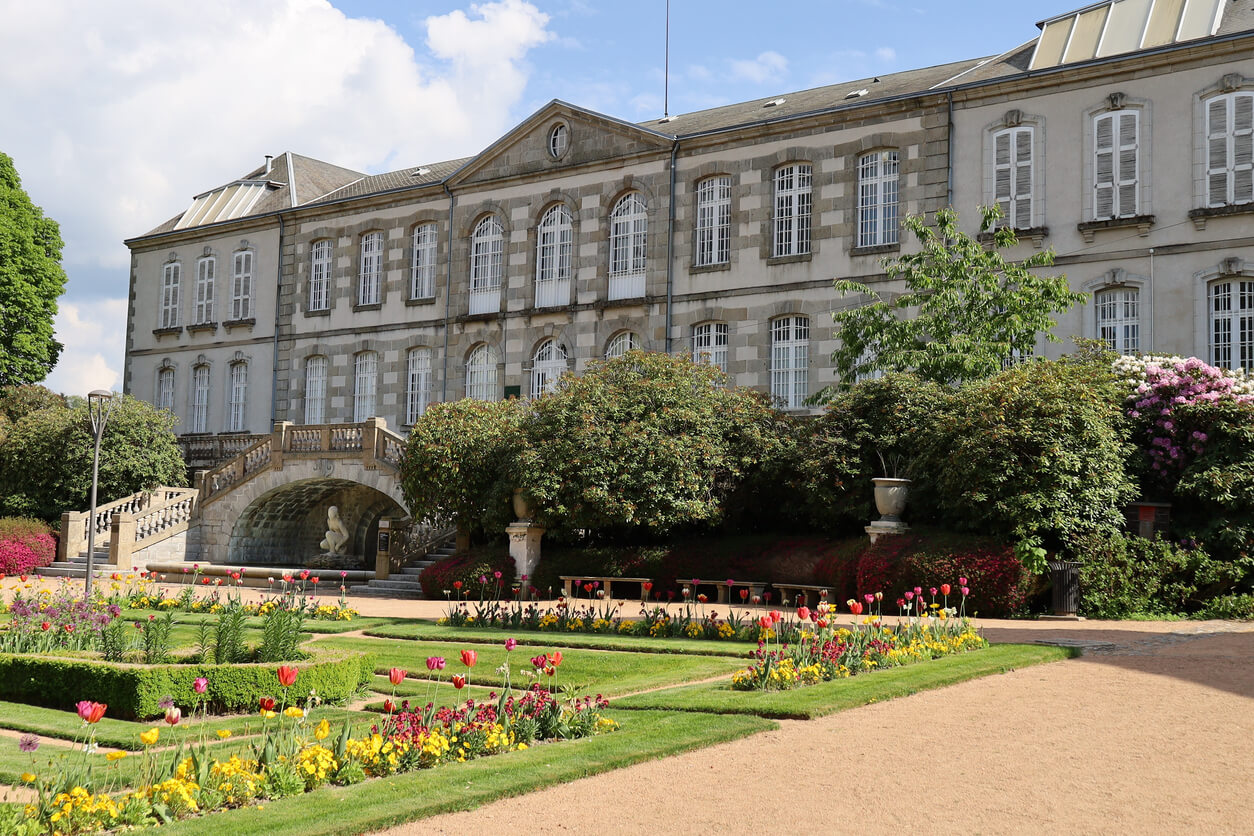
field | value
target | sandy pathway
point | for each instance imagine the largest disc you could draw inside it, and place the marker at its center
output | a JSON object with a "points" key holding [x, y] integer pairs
{"points": [[1151, 735]]}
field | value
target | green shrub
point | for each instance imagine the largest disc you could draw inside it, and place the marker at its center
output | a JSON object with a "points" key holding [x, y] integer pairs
{"points": [[1214, 499], [1229, 608], [134, 691], [1121, 576], [439, 578], [1037, 452]]}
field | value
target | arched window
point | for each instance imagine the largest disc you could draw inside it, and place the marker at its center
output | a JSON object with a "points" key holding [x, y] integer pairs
{"points": [[1118, 312], [205, 269], [371, 268], [1231, 305], [629, 226], [315, 390], [165, 389], [790, 359], [481, 374], [713, 221], [792, 209], [170, 295], [200, 399], [320, 276], [621, 344], [553, 244], [237, 406], [365, 385], [547, 367], [709, 344], [417, 383], [422, 270], [242, 286], [877, 199], [487, 247]]}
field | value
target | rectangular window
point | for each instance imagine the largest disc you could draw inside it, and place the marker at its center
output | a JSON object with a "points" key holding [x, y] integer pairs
{"points": [[790, 360], [365, 385], [237, 419], [165, 389], [1232, 325], [371, 268], [1119, 319], [877, 199], [320, 276], [709, 344], [315, 390], [200, 399], [170, 296], [242, 287], [713, 221], [422, 271], [204, 290], [418, 384], [792, 210], [1230, 149], [1014, 177], [1115, 165]]}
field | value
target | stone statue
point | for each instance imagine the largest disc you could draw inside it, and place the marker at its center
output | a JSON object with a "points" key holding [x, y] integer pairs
{"points": [[336, 537]]}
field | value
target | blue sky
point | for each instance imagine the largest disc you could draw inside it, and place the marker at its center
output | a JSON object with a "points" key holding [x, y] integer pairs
{"points": [[118, 113]]}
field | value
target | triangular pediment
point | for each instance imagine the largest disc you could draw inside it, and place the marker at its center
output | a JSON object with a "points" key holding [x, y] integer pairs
{"points": [[591, 138]]}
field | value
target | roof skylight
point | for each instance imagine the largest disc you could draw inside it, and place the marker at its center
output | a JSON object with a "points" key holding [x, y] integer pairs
{"points": [[1115, 27]]}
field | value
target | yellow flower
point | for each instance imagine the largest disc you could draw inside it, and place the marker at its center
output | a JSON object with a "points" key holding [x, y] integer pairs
{"points": [[294, 712], [268, 714], [149, 737], [115, 756], [28, 778], [323, 729], [224, 733]]}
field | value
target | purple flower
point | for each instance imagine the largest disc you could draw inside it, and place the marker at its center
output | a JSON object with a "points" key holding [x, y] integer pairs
{"points": [[28, 743], [166, 703]]}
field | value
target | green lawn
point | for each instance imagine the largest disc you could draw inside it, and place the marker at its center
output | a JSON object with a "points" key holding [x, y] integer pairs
{"points": [[595, 671], [840, 694], [431, 631]]}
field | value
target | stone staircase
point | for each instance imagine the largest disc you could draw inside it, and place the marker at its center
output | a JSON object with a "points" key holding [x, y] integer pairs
{"points": [[403, 584], [76, 567]]}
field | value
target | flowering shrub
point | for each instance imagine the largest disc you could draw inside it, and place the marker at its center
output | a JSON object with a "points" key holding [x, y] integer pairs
{"points": [[477, 572], [25, 545]]}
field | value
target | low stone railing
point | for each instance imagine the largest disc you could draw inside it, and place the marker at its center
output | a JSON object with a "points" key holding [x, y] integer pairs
{"points": [[162, 510], [214, 449]]}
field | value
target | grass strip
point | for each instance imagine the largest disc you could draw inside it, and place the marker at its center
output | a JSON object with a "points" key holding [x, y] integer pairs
{"points": [[812, 701], [592, 670], [311, 625], [430, 631], [387, 802]]}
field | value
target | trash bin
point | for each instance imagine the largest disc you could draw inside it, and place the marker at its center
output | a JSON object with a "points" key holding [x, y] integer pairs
{"points": [[1065, 575]]}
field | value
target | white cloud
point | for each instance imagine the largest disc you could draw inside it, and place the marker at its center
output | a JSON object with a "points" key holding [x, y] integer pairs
{"points": [[117, 113], [769, 66], [92, 354], [886, 53]]}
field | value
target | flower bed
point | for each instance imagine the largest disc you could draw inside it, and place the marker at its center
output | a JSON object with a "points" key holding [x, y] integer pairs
{"points": [[293, 756]]}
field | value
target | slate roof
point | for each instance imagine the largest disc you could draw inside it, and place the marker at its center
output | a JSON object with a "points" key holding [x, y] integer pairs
{"points": [[431, 173]]}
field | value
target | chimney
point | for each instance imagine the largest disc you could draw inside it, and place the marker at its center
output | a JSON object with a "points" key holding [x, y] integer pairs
{"points": [[269, 162]]}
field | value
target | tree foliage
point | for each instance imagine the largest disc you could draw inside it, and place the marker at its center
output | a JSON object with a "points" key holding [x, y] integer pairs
{"points": [[460, 462], [643, 442], [45, 461], [31, 279], [965, 310]]}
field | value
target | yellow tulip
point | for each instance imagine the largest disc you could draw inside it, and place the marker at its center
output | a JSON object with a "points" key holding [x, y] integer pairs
{"points": [[294, 712], [28, 778], [268, 714], [224, 733], [149, 737], [115, 756], [323, 729]]}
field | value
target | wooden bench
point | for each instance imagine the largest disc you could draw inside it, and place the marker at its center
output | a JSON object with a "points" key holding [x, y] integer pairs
{"points": [[798, 594], [724, 591], [607, 584]]}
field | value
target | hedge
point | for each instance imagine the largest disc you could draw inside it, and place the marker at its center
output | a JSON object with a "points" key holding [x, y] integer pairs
{"points": [[133, 692]]}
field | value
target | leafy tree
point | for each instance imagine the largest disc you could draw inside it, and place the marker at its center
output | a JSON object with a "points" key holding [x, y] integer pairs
{"points": [[31, 279], [45, 461], [642, 443], [966, 309], [460, 461]]}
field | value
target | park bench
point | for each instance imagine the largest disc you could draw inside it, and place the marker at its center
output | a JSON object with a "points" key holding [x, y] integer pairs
{"points": [[799, 594], [571, 590], [725, 592]]}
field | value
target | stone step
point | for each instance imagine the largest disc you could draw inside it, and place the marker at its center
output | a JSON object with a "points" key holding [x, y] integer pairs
{"points": [[391, 583], [366, 592]]}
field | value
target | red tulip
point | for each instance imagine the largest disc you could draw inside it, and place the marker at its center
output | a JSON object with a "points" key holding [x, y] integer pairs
{"points": [[744, 594], [855, 607], [266, 703], [389, 706], [69, 628], [396, 676], [46, 626], [91, 712], [901, 602], [702, 598], [776, 616], [555, 658], [457, 584], [821, 623], [287, 675], [587, 587], [469, 657], [765, 622], [803, 613], [647, 586], [550, 670], [459, 681], [314, 579], [944, 589]]}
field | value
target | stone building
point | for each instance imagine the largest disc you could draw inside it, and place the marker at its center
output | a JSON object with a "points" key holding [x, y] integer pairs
{"points": [[1120, 136]]}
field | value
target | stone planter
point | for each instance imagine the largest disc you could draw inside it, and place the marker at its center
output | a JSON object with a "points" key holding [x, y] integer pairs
{"points": [[890, 498], [523, 509]]}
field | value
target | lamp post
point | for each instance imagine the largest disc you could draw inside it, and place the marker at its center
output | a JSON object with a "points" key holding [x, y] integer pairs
{"points": [[99, 404]]}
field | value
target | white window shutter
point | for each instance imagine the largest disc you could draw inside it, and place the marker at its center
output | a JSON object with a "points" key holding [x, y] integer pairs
{"points": [[1217, 151], [1129, 164], [1243, 148], [1104, 168], [1023, 179], [1002, 165]]}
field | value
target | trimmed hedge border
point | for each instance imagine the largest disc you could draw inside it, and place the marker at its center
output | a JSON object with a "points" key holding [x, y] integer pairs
{"points": [[133, 692]]}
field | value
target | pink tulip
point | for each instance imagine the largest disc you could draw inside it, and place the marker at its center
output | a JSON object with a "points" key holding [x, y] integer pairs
{"points": [[200, 685]]}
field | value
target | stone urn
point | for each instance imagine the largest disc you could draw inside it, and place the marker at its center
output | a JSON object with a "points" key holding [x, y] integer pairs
{"points": [[890, 498], [523, 509]]}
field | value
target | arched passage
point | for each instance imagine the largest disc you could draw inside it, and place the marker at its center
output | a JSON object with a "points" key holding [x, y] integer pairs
{"points": [[285, 525]]}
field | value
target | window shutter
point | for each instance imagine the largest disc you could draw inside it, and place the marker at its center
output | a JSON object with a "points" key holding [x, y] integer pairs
{"points": [[1242, 148], [1023, 179], [1002, 174], [1104, 168], [1128, 164], [1217, 151]]}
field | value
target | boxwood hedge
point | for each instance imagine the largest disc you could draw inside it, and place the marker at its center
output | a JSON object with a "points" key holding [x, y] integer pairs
{"points": [[134, 691]]}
